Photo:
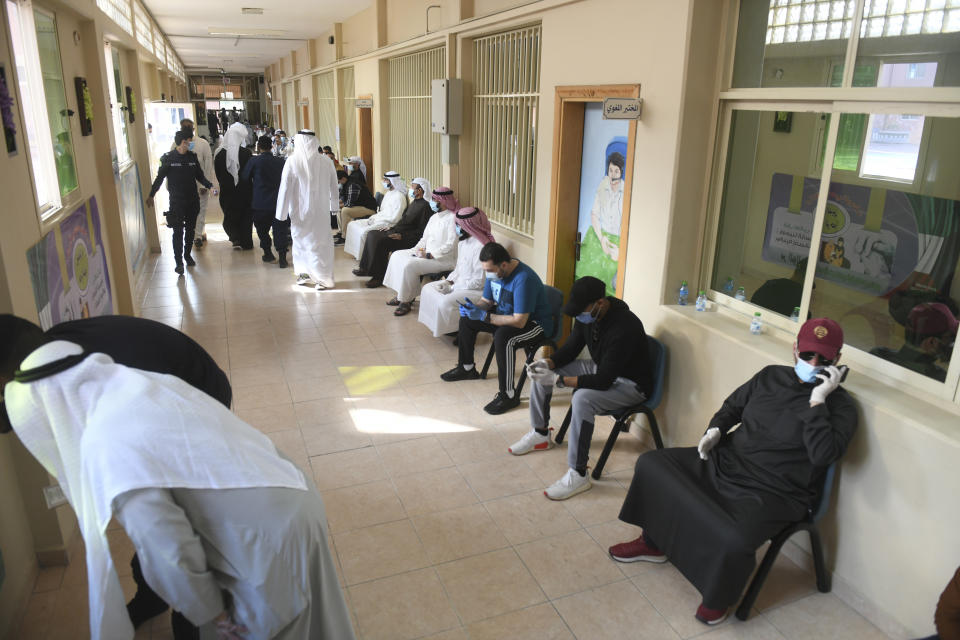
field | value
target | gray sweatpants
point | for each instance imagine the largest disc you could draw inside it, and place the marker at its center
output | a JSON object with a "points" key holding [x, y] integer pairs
{"points": [[586, 405]]}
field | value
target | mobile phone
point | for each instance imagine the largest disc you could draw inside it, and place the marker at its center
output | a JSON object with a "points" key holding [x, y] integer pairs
{"points": [[463, 302], [844, 370]]}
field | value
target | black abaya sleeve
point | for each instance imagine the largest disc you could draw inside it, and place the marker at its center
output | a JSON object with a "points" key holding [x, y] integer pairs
{"points": [[731, 412]]}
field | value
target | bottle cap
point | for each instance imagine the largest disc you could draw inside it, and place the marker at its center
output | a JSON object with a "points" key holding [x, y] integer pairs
{"points": [[797, 309], [757, 314], [702, 292], [683, 282]]}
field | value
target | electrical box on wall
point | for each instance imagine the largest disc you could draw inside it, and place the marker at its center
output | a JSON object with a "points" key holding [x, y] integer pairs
{"points": [[446, 114]]}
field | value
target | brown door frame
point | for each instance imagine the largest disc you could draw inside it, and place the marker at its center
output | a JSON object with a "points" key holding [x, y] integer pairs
{"points": [[364, 135], [569, 106]]}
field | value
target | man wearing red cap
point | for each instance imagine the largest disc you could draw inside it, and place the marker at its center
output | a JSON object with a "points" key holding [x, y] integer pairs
{"points": [[709, 508], [929, 335]]}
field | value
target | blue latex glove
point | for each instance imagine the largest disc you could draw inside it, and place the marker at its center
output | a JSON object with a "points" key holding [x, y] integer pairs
{"points": [[470, 310]]}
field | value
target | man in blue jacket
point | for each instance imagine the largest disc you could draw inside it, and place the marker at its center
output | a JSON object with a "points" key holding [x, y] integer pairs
{"points": [[264, 171]]}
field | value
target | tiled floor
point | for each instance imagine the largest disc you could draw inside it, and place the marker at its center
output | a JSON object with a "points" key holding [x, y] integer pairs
{"points": [[438, 531]]}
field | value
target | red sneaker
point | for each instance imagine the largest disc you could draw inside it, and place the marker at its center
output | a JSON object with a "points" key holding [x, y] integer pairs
{"points": [[635, 551], [710, 616]]}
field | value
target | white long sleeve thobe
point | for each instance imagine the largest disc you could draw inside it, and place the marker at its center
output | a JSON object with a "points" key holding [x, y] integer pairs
{"points": [[308, 194], [404, 270], [391, 208], [440, 312]]}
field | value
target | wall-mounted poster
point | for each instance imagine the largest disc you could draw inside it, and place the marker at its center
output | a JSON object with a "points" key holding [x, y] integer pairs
{"points": [[68, 269], [134, 217], [602, 174], [6, 108], [85, 104]]}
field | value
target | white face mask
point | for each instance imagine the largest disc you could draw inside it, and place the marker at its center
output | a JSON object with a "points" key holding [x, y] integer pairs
{"points": [[411, 194], [386, 184]]}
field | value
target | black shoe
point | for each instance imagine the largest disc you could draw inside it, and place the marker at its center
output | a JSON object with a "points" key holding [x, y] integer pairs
{"points": [[236, 246], [179, 269], [373, 283], [459, 373], [501, 404], [337, 241], [198, 243], [283, 260], [360, 272], [268, 256], [189, 260], [141, 608]]}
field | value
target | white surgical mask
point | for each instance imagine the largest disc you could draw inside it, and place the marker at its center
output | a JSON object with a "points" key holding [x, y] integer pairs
{"points": [[386, 184], [435, 205], [411, 193], [190, 146]]}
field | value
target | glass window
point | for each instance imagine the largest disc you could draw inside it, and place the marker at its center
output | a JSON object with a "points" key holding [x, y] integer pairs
{"points": [[117, 103], [56, 100], [888, 259], [768, 206], [915, 44], [791, 43]]}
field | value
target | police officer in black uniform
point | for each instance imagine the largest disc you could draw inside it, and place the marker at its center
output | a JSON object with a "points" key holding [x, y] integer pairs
{"points": [[182, 170]]}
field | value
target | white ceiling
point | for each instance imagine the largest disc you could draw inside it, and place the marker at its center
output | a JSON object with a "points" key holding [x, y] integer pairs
{"points": [[187, 25]]}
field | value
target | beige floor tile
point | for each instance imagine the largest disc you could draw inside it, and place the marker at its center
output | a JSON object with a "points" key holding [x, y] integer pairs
{"points": [[756, 628], [568, 563], [615, 532], [530, 516], [675, 598], [473, 446], [266, 395], [785, 583], [406, 606], [347, 468], [306, 389], [498, 478], [324, 411], [290, 443], [612, 612], [343, 332], [822, 615], [241, 377], [601, 504], [362, 506], [338, 435], [458, 533], [452, 634], [121, 550], [414, 456], [48, 579], [407, 356], [379, 551], [311, 368], [539, 622], [268, 419], [348, 346], [436, 490], [38, 615], [489, 585]]}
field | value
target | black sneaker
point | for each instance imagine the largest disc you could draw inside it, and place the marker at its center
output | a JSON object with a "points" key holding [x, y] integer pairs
{"points": [[268, 256], [198, 243], [337, 241], [189, 260], [283, 260], [501, 404], [142, 608], [459, 373], [359, 272], [179, 269]]}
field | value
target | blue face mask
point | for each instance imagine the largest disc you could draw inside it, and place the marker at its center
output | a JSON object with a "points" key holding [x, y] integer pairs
{"points": [[586, 317], [459, 230], [411, 194], [190, 146], [435, 205], [806, 371]]}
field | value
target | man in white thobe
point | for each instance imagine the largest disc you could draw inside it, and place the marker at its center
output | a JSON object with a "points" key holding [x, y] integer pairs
{"points": [[227, 530], [439, 306], [388, 214], [435, 252], [308, 195]]}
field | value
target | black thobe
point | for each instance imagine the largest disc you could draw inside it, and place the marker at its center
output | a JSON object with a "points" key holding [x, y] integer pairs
{"points": [[709, 517], [378, 246], [235, 198]]}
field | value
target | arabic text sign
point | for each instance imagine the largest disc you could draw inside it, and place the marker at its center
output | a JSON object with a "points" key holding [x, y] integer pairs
{"points": [[622, 108]]}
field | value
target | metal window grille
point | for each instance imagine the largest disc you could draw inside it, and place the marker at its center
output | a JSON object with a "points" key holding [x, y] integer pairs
{"points": [[348, 131], [414, 149], [506, 74], [118, 11], [158, 46], [326, 103], [143, 27], [170, 57]]}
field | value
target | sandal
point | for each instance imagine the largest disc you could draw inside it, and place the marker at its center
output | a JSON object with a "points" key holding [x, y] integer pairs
{"points": [[393, 302], [403, 309]]}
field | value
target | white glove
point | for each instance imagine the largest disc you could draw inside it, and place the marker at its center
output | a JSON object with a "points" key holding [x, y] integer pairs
{"points": [[541, 364], [708, 441], [542, 374], [443, 286], [830, 377]]}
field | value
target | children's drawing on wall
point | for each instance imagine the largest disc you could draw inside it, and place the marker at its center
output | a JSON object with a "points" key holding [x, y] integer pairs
{"points": [[601, 195]]}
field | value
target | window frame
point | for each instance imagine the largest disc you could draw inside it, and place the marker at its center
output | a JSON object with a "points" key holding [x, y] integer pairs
{"points": [[943, 102]]}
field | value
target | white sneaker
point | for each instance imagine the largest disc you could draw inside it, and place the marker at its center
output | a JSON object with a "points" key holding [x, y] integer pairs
{"points": [[531, 441], [568, 486]]}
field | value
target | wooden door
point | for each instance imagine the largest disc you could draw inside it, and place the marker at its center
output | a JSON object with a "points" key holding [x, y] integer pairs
{"points": [[365, 140]]}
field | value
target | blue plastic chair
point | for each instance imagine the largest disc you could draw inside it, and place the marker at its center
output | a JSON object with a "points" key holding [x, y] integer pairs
{"points": [[555, 298], [658, 354], [808, 524]]}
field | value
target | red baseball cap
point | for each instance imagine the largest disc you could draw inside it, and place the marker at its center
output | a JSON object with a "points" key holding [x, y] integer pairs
{"points": [[820, 335], [931, 319]]}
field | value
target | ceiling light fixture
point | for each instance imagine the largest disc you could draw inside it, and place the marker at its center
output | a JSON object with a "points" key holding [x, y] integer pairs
{"points": [[231, 31]]}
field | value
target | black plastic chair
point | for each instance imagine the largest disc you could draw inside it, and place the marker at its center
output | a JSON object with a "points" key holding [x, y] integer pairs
{"points": [[658, 354], [808, 524], [379, 198], [555, 298]]}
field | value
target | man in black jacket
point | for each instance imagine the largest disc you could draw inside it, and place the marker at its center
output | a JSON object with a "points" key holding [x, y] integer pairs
{"points": [[182, 170], [356, 201], [403, 235], [264, 171], [618, 374]]}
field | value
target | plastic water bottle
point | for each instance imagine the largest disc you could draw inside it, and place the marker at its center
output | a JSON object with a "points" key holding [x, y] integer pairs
{"points": [[702, 301], [741, 294], [756, 324], [684, 293], [795, 316], [728, 286]]}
